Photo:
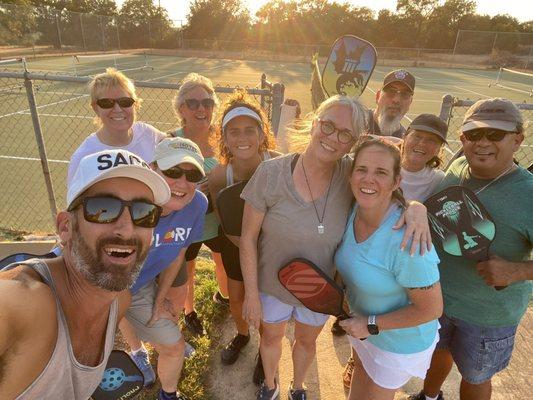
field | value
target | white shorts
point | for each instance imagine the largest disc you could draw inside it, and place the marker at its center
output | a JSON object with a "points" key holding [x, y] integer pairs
{"points": [[392, 370], [275, 311]]}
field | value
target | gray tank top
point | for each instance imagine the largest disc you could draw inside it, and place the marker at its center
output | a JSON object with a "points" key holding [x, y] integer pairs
{"points": [[64, 378], [229, 169]]}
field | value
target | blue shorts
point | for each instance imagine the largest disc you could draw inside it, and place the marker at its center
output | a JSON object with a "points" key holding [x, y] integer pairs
{"points": [[479, 352]]}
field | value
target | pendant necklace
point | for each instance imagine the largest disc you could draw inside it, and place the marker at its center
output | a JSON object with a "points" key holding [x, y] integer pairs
{"points": [[478, 191], [320, 226]]}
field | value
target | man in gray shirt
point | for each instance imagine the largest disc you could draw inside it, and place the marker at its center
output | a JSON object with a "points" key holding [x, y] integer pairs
{"points": [[58, 316]]}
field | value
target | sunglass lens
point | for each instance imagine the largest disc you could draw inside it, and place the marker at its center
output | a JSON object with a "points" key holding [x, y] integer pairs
{"points": [[495, 136], [208, 103], [102, 210], [192, 104], [105, 103], [125, 102], [174, 173], [145, 215], [193, 175]]}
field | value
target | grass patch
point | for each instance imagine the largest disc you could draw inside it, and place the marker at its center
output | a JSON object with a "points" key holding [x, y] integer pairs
{"points": [[193, 381]]}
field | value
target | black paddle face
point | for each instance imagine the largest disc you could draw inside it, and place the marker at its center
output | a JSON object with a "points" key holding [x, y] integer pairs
{"points": [[122, 379], [349, 67], [460, 223], [231, 207], [314, 289], [20, 257]]}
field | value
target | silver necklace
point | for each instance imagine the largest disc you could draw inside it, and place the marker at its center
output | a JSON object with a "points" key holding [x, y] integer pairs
{"points": [[478, 191], [320, 226]]}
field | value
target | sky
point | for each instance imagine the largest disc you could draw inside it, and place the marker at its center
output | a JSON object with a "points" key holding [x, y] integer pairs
{"points": [[178, 9]]}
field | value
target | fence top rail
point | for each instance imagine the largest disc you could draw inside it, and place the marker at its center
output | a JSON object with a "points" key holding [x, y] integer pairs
{"points": [[468, 103], [139, 84]]}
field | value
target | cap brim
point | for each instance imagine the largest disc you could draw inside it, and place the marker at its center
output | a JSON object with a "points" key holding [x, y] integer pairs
{"points": [[503, 125], [150, 178], [429, 129], [399, 81], [172, 161]]}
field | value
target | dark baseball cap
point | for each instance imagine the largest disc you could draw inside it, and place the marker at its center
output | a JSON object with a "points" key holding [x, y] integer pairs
{"points": [[430, 123], [402, 76], [496, 113]]}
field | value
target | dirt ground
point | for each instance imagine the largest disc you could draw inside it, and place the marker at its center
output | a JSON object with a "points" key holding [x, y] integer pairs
{"points": [[324, 377]]}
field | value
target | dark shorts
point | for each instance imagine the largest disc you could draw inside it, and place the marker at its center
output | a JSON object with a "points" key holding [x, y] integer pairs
{"points": [[214, 245], [181, 278], [230, 258], [479, 352]]}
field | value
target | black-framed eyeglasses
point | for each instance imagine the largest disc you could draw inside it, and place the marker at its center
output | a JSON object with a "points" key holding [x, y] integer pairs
{"points": [[494, 135], [344, 136], [391, 92], [192, 175], [193, 104], [107, 209], [123, 102]]}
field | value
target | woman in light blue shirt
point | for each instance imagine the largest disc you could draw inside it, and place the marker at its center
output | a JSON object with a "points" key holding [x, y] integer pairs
{"points": [[395, 298]]}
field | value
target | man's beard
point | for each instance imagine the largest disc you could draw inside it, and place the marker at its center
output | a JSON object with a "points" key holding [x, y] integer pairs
{"points": [[89, 263], [388, 125]]}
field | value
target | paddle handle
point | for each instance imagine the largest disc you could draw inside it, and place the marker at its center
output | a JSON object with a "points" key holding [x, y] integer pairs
{"points": [[487, 256]]}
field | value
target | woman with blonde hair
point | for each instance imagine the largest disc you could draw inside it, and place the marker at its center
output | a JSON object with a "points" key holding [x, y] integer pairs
{"points": [[194, 105], [115, 104], [243, 140], [296, 206]]}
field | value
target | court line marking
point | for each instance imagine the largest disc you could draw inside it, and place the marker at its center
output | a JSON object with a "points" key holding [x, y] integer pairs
{"points": [[27, 110], [471, 91]]}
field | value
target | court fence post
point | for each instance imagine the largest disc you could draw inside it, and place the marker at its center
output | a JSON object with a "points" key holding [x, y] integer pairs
{"points": [[446, 108], [83, 34], [278, 93], [32, 105]]}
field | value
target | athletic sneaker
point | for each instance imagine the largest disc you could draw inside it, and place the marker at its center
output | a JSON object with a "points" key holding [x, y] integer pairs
{"points": [[422, 396], [231, 352], [348, 373], [264, 393], [142, 361], [194, 325], [189, 350], [174, 396], [336, 329], [259, 373], [297, 394], [219, 299]]}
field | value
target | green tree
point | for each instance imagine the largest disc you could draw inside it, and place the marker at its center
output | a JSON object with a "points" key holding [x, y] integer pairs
{"points": [[416, 13]]}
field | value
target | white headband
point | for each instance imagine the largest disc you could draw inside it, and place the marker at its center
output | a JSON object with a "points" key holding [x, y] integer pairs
{"points": [[238, 112]]}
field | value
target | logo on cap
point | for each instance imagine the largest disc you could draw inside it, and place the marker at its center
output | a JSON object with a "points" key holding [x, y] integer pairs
{"points": [[400, 74], [182, 145]]}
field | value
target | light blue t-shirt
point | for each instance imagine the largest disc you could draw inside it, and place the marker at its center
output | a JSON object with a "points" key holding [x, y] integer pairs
{"points": [[174, 232], [376, 274]]}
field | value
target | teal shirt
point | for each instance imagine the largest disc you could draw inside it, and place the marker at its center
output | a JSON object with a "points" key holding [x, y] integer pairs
{"points": [[509, 201], [377, 273], [211, 221]]}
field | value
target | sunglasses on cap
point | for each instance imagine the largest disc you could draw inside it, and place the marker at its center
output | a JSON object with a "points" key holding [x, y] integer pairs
{"points": [[494, 135], [123, 102], [193, 104], [344, 136], [191, 175], [107, 209], [391, 92]]}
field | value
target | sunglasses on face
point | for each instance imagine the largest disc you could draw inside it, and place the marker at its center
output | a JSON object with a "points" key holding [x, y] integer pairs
{"points": [[193, 104], [191, 175], [391, 92], [344, 136], [106, 210], [494, 135], [123, 102]]}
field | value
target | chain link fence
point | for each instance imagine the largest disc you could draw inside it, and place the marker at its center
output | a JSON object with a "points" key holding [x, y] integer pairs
{"points": [[453, 111], [45, 117]]}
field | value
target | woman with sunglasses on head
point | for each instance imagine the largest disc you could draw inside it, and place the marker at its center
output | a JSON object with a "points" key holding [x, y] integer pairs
{"points": [[394, 297], [153, 314], [115, 103], [194, 105], [296, 206], [244, 139]]}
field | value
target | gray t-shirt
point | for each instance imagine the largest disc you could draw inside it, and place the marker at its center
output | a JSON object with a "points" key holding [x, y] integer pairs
{"points": [[421, 184], [290, 224]]}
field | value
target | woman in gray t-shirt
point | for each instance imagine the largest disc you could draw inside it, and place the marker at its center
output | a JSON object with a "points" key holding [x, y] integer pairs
{"points": [[299, 204]]}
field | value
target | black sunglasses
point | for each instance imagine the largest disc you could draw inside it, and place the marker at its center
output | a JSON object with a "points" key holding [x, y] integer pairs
{"points": [[494, 135], [193, 104], [344, 136], [192, 175], [106, 210], [124, 102]]}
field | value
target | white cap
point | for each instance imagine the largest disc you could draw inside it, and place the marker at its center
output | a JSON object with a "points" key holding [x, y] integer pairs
{"points": [[238, 112], [108, 164], [174, 151]]}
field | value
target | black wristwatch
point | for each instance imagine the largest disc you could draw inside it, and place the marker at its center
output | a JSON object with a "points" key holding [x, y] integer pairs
{"points": [[371, 326]]}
